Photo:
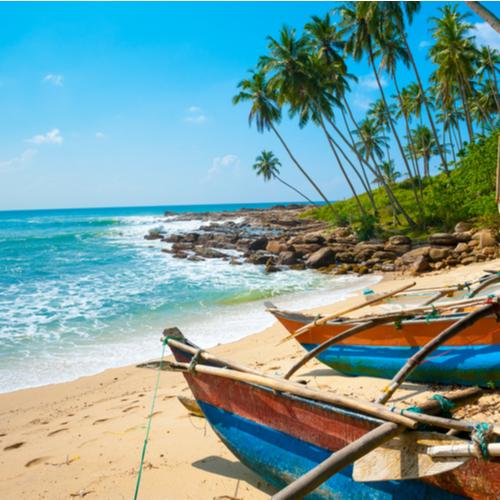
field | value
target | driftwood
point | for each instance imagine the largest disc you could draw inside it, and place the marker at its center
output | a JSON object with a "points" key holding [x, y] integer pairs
{"points": [[433, 344]]}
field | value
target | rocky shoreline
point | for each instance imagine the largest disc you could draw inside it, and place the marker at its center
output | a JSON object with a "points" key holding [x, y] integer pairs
{"points": [[280, 237]]}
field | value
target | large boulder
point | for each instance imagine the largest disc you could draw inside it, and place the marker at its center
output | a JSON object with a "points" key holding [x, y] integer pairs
{"points": [[306, 249], [438, 253], [258, 244], [287, 258], [259, 257], [462, 247], [445, 239], [420, 264], [276, 246], [314, 238], [462, 227], [413, 255], [399, 240], [153, 235], [381, 255], [321, 258], [485, 237]]}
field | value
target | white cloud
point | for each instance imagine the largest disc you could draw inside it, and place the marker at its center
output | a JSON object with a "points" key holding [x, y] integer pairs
{"points": [[369, 82], [100, 135], [361, 101], [24, 157], [221, 163], [52, 137], [195, 115], [423, 44], [56, 80], [486, 35]]}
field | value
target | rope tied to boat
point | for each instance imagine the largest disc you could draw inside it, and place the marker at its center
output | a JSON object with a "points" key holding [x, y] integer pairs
{"points": [[432, 315], [194, 361], [150, 416], [481, 436], [446, 404]]}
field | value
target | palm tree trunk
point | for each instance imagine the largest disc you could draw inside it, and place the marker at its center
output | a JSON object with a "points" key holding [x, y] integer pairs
{"points": [[408, 132], [364, 180], [295, 189], [453, 152], [299, 166], [485, 14], [394, 132], [465, 105], [426, 165], [424, 97], [495, 82], [376, 173], [344, 173]]}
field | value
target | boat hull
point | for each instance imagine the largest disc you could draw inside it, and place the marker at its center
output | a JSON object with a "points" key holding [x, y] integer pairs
{"points": [[281, 437], [470, 358]]}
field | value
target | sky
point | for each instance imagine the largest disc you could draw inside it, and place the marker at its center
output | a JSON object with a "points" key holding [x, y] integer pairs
{"points": [[119, 104]]}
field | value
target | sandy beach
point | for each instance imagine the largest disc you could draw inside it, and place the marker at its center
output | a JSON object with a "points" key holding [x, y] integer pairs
{"points": [[84, 438]]}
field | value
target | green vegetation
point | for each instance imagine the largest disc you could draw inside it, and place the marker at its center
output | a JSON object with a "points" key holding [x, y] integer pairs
{"points": [[468, 193], [305, 75]]}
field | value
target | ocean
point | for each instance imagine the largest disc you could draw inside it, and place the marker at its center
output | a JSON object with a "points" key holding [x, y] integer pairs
{"points": [[81, 290]]}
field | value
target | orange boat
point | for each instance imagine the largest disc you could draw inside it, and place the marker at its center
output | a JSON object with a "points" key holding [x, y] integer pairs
{"points": [[472, 357]]}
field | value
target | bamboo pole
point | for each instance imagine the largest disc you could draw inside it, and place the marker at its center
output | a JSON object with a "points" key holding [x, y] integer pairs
{"points": [[380, 298], [369, 408], [433, 344], [462, 450], [355, 450], [484, 284], [337, 461]]}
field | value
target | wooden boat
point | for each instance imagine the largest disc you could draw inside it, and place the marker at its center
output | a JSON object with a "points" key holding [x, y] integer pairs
{"points": [[470, 358], [281, 436]]}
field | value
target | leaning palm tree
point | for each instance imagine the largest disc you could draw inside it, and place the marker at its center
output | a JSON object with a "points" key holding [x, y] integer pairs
{"points": [[425, 146], [268, 166], [371, 141], [395, 13], [484, 102], [302, 82], [454, 54], [363, 22], [389, 172], [265, 112]]}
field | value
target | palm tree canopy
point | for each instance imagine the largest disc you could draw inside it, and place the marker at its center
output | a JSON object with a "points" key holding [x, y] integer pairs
{"points": [[371, 141], [388, 172], [424, 142], [487, 62], [454, 51], [267, 165], [391, 49], [264, 110]]}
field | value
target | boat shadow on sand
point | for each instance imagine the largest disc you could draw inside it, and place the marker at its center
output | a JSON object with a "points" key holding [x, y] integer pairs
{"points": [[233, 470]]}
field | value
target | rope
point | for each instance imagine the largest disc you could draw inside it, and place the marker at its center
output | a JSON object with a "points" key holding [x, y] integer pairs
{"points": [[446, 404], [481, 436], [194, 361], [150, 418], [433, 314]]}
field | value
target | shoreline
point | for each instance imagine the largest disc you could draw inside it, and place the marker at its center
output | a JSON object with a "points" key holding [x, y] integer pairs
{"points": [[84, 438]]}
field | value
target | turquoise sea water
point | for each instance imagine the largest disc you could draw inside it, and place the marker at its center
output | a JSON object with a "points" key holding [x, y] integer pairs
{"points": [[81, 291]]}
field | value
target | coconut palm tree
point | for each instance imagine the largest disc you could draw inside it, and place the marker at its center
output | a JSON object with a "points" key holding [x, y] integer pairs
{"points": [[302, 81], [454, 54], [371, 141], [268, 166], [364, 24], [266, 112], [396, 13], [425, 146], [327, 43], [487, 62], [484, 103], [389, 172]]}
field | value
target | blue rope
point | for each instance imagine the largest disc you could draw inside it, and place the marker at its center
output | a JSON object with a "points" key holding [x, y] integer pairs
{"points": [[446, 404], [480, 437]]}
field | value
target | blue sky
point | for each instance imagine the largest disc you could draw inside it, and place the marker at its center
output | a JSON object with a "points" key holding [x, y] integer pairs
{"points": [[108, 104]]}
